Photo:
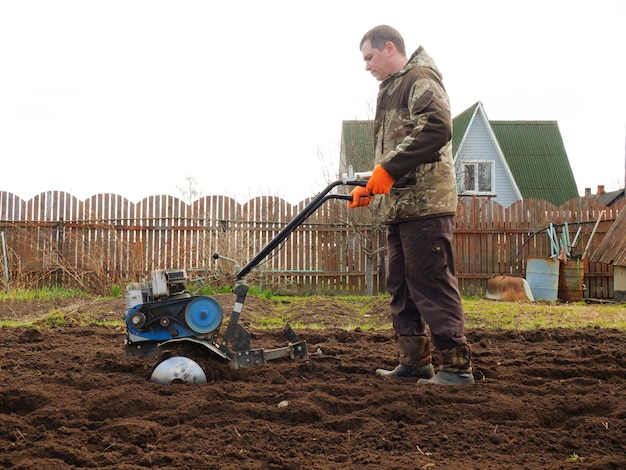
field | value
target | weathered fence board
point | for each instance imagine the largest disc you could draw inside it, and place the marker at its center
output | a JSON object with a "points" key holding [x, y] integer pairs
{"points": [[106, 239]]}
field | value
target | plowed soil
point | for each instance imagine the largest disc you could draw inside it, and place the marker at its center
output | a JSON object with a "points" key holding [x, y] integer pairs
{"points": [[546, 399]]}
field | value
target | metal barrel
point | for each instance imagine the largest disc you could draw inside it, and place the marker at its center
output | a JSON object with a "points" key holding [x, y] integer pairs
{"points": [[542, 275], [571, 280]]}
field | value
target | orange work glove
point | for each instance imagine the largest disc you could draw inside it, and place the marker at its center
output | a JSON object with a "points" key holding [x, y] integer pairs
{"points": [[360, 197], [380, 182]]}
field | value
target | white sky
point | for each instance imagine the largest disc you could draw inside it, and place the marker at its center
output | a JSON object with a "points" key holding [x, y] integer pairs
{"points": [[131, 97]]}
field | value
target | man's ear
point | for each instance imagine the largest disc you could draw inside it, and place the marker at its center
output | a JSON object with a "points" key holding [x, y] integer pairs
{"points": [[390, 47]]}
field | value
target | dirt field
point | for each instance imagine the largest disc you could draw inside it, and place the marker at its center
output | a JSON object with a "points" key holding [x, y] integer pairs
{"points": [[547, 399]]}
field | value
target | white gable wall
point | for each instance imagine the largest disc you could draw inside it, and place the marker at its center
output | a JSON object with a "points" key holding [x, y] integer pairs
{"points": [[479, 145]]}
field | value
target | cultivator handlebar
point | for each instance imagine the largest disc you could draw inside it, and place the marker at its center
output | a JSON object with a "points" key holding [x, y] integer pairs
{"points": [[347, 179]]}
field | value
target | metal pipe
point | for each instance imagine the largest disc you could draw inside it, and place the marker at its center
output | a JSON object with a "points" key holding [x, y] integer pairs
{"points": [[593, 232], [543, 229], [4, 257]]}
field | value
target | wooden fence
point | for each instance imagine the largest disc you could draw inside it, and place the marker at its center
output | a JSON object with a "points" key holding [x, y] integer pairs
{"points": [[106, 240]]}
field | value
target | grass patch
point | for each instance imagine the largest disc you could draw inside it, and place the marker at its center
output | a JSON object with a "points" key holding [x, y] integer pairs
{"points": [[60, 320], [348, 312], [372, 313], [44, 294], [16, 323], [482, 313]]}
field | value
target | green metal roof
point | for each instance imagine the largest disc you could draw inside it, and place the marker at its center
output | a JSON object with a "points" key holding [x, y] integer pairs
{"points": [[537, 159]]}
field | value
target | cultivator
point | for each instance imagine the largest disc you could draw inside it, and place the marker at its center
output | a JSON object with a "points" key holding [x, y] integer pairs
{"points": [[165, 320]]}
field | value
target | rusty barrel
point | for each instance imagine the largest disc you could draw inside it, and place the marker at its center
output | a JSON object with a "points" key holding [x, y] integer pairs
{"points": [[571, 277]]}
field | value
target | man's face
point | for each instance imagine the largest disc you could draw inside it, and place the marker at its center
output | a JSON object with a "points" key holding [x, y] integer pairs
{"points": [[377, 62]]}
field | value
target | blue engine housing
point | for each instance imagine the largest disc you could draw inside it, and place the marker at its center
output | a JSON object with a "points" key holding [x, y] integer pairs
{"points": [[186, 316]]}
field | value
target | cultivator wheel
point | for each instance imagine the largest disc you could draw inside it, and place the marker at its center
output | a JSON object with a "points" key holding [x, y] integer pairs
{"points": [[189, 363]]}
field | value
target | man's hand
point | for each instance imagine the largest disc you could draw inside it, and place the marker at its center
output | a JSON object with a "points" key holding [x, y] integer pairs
{"points": [[361, 197], [380, 182]]}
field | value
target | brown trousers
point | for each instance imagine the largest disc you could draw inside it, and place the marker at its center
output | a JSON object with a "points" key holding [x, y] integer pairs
{"points": [[422, 283]]}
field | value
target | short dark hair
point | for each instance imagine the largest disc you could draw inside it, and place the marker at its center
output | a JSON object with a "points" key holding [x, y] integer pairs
{"points": [[379, 35]]}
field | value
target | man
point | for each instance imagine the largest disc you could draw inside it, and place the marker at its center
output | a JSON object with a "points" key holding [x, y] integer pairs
{"points": [[413, 192]]}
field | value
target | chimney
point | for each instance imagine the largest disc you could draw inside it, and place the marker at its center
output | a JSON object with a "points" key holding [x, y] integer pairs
{"points": [[587, 192], [600, 189]]}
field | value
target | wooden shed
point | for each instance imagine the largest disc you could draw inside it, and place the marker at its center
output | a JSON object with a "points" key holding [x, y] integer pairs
{"points": [[612, 250]]}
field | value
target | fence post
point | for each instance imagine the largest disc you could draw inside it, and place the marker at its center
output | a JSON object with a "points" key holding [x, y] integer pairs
{"points": [[59, 235]]}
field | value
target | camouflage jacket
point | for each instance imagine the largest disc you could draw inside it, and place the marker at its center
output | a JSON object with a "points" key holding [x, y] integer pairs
{"points": [[413, 133]]}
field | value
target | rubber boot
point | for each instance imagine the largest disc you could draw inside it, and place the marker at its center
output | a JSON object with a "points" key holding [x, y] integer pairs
{"points": [[415, 359], [455, 367]]}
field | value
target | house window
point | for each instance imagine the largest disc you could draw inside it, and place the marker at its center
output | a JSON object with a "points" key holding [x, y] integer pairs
{"points": [[478, 178]]}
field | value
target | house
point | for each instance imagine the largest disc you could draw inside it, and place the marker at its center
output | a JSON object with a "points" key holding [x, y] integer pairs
{"points": [[505, 160], [608, 198], [511, 160], [612, 250]]}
